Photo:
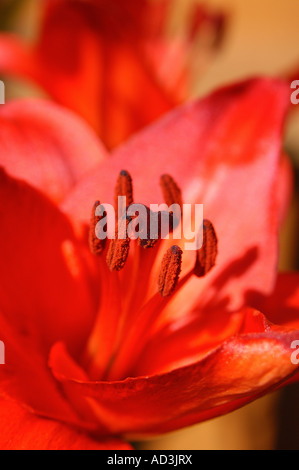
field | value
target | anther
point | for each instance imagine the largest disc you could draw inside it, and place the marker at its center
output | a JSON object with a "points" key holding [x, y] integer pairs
{"points": [[96, 245], [118, 249], [173, 198], [170, 271], [171, 191], [206, 255], [124, 187]]}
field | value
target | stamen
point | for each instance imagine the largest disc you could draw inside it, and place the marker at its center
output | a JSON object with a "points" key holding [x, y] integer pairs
{"points": [[96, 245], [124, 187], [118, 249], [170, 271], [171, 191], [144, 240], [206, 255]]}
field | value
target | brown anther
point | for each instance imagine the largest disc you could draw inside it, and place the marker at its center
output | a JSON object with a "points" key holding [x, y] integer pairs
{"points": [[144, 239], [206, 255], [118, 249], [124, 187], [147, 243], [171, 192], [170, 271], [96, 245]]}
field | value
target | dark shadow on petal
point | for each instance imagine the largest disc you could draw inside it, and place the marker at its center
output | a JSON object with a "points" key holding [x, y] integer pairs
{"points": [[237, 267]]}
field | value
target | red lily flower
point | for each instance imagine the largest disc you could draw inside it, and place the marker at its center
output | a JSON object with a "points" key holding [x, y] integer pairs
{"points": [[100, 351], [103, 58]]}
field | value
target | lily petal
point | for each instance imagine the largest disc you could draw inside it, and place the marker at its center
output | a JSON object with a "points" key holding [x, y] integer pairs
{"points": [[15, 58], [47, 289], [47, 146], [100, 78], [240, 370], [187, 341], [26, 378], [101, 59], [97, 53], [22, 430]]}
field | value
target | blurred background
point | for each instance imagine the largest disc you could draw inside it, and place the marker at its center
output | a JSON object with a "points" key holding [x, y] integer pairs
{"points": [[261, 38]]}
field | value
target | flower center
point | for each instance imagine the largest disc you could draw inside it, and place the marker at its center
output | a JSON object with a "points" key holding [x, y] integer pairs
{"points": [[136, 284]]}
